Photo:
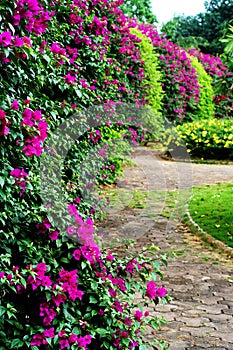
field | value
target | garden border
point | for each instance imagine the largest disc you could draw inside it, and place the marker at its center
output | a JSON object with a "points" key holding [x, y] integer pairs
{"points": [[206, 237]]}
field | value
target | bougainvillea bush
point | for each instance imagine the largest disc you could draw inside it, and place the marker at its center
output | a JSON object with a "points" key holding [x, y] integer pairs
{"points": [[75, 297], [58, 289]]}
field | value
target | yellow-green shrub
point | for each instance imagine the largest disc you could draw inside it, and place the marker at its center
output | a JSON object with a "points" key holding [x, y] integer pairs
{"points": [[212, 138], [205, 108], [152, 82]]}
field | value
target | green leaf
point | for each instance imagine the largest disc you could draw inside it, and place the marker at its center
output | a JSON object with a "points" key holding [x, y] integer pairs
{"points": [[2, 311], [83, 265], [101, 331], [68, 316], [16, 343], [92, 300]]}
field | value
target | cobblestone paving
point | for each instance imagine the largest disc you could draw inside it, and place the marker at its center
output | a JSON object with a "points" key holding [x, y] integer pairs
{"points": [[200, 279], [200, 283]]}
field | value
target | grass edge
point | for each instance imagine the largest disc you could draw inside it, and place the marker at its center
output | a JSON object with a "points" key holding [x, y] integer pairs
{"points": [[206, 237]]}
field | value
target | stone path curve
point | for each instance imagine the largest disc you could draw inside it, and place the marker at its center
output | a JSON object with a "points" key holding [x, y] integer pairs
{"points": [[199, 280]]}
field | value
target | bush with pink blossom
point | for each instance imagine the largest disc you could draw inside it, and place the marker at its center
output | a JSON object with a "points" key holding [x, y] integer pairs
{"points": [[58, 288]]}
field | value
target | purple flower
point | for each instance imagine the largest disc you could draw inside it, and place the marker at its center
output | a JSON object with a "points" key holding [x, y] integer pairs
{"points": [[101, 312], [49, 333], [18, 42], [69, 79], [151, 290], [138, 315], [161, 292], [20, 176], [112, 292], [37, 340], [5, 39], [55, 48], [54, 235], [15, 105], [64, 343], [77, 254]]}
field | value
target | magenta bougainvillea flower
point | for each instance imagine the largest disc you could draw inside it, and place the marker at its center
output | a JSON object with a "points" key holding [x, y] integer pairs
{"points": [[152, 291], [21, 178]]}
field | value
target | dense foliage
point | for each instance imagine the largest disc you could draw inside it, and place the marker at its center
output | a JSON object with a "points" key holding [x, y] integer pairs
{"points": [[153, 84]]}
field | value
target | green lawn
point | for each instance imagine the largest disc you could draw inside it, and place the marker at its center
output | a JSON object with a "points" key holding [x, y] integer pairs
{"points": [[211, 207]]}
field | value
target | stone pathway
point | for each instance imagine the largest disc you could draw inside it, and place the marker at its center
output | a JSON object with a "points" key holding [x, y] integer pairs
{"points": [[200, 279]]}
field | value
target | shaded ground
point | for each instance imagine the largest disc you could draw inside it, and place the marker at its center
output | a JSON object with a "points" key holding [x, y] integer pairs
{"points": [[200, 280]]}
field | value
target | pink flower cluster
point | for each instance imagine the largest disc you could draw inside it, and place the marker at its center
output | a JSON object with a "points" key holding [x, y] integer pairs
{"points": [[33, 13], [90, 253], [66, 283], [153, 292], [83, 230], [133, 266], [36, 128], [13, 42], [20, 177], [80, 342], [7, 39], [38, 278], [99, 26], [213, 65]]}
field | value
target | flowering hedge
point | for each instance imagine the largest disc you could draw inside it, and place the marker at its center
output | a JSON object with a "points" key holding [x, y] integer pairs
{"points": [[58, 288], [180, 79], [153, 84]]}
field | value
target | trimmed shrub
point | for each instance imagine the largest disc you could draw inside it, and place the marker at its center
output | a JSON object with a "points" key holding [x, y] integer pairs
{"points": [[205, 107], [152, 72], [208, 139], [152, 82]]}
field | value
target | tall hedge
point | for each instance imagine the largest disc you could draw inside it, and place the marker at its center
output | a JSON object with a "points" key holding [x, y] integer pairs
{"points": [[152, 82], [205, 107], [153, 76]]}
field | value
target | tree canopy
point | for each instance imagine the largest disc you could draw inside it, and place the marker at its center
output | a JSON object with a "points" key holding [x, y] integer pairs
{"points": [[141, 9], [204, 30]]}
